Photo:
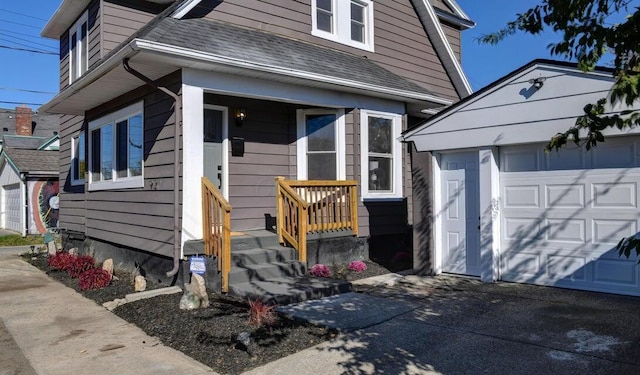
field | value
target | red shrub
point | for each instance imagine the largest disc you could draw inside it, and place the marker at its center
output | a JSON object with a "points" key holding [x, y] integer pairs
{"points": [[61, 261], [80, 264], [261, 314], [94, 278]]}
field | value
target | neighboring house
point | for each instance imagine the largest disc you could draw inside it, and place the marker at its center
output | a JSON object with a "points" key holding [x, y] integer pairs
{"points": [[312, 89], [506, 210], [28, 170], [30, 187], [22, 122]]}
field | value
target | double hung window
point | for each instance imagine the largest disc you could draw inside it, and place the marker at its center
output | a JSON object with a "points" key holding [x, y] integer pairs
{"points": [[348, 22]]}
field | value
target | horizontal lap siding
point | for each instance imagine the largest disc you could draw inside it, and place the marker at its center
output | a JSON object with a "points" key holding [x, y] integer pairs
{"points": [[119, 23], [141, 218], [453, 36], [401, 44], [72, 200]]}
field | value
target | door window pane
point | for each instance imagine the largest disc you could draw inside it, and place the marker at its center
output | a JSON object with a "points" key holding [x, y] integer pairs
{"points": [[136, 146], [321, 166], [380, 172], [321, 132]]}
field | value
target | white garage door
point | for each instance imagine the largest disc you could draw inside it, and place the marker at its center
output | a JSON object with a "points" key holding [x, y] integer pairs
{"points": [[563, 214], [12, 207]]}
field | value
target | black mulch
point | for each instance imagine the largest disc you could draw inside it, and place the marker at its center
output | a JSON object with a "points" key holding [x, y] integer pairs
{"points": [[210, 335]]}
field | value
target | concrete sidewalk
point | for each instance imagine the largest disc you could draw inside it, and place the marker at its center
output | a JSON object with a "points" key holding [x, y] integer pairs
{"points": [[48, 328]]}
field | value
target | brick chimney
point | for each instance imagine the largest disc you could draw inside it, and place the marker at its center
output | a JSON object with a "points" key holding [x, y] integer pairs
{"points": [[23, 120]]}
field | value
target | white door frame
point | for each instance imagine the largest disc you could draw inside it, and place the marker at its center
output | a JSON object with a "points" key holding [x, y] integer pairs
{"points": [[489, 185], [225, 146]]}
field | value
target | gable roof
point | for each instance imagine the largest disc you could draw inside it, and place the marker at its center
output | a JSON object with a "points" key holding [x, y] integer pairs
{"points": [[22, 141], [512, 110], [441, 44], [32, 161]]}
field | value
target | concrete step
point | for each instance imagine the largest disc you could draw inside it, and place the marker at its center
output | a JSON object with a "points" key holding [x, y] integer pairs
{"points": [[241, 258], [283, 291], [265, 271], [194, 247], [254, 239]]}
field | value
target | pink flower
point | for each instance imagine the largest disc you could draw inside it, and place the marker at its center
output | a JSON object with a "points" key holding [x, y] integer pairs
{"points": [[357, 266], [320, 270]]}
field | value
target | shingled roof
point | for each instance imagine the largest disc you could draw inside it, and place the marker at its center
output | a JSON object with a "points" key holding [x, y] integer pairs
{"points": [[30, 161], [268, 49]]}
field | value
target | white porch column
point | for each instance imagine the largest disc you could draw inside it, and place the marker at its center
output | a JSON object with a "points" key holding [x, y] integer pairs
{"points": [[192, 166], [489, 214]]}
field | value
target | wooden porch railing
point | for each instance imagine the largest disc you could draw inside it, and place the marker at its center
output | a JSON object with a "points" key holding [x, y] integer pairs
{"points": [[216, 228], [314, 206]]}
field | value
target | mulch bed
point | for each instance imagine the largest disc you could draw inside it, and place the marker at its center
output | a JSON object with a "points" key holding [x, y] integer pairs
{"points": [[209, 335]]}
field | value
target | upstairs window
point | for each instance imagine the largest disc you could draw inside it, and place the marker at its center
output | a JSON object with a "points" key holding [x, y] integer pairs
{"points": [[116, 147], [347, 22], [79, 48]]}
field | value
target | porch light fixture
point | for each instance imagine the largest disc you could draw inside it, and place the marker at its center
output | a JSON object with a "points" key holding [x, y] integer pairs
{"points": [[241, 114], [537, 82]]}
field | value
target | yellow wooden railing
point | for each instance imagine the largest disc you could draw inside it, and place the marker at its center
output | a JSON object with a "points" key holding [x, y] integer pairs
{"points": [[216, 229], [314, 206]]}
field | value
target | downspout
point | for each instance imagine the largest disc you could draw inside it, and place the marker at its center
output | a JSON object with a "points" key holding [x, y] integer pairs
{"points": [[176, 162], [25, 227]]}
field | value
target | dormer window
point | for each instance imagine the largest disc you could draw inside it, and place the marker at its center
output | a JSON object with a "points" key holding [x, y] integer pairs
{"points": [[346, 22], [78, 48]]}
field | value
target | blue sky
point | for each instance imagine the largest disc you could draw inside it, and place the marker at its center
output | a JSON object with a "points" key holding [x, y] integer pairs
{"points": [[22, 21]]}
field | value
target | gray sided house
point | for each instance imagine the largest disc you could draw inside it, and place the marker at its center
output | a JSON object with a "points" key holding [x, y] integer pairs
{"points": [[155, 95], [504, 209]]}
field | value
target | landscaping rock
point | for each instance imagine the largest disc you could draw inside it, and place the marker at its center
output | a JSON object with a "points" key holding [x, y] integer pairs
{"points": [[140, 284], [107, 265], [52, 248], [189, 301], [73, 251], [199, 289]]}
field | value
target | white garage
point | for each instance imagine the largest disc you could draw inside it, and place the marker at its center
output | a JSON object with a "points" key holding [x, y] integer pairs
{"points": [[506, 210], [11, 207]]}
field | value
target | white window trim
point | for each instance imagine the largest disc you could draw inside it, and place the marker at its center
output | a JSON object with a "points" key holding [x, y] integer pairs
{"points": [[342, 24], [77, 28], [302, 141], [396, 151], [74, 155], [113, 119]]}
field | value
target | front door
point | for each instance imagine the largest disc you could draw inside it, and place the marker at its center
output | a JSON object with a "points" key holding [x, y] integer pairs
{"points": [[460, 213], [213, 136]]}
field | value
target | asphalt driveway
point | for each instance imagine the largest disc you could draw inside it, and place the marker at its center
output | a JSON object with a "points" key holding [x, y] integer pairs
{"points": [[449, 325]]}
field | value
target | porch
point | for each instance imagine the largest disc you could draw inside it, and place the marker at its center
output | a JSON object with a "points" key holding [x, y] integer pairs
{"points": [[272, 265]]}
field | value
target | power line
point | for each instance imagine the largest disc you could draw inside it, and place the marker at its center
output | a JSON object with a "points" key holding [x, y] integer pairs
{"points": [[23, 45], [19, 103], [22, 14], [27, 35], [25, 40], [26, 90], [21, 24], [29, 50]]}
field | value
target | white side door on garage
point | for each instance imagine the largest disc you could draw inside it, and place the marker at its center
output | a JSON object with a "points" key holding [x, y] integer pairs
{"points": [[460, 213], [563, 214], [12, 208]]}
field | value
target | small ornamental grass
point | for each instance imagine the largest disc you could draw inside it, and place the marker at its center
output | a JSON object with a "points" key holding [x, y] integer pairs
{"points": [[320, 270], [357, 266], [81, 264], [61, 261], [94, 278], [261, 314]]}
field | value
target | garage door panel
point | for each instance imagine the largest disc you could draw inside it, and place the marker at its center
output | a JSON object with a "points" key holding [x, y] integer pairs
{"points": [[564, 213]]}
